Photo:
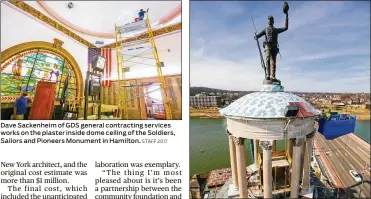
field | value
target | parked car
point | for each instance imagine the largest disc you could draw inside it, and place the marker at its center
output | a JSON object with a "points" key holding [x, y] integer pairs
{"points": [[355, 175]]}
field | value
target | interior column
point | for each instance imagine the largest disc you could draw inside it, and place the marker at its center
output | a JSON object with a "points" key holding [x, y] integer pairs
{"points": [[267, 168], [306, 163], [232, 154], [256, 152], [295, 174], [289, 147], [241, 166], [303, 147]]}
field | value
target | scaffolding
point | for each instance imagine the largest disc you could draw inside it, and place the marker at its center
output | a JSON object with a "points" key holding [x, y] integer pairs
{"points": [[125, 53]]}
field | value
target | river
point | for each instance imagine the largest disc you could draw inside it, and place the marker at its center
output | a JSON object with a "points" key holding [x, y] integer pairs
{"points": [[209, 144]]}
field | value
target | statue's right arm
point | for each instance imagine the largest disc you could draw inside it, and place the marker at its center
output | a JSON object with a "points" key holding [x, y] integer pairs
{"points": [[261, 34], [286, 25]]}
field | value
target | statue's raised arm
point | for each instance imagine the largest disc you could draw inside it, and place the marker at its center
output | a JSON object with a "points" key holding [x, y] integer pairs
{"points": [[286, 11]]}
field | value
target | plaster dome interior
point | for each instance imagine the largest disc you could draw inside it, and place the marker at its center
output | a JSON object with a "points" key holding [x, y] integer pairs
{"points": [[64, 36]]}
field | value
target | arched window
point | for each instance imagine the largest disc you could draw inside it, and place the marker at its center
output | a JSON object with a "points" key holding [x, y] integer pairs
{"points": [[23, 70]]}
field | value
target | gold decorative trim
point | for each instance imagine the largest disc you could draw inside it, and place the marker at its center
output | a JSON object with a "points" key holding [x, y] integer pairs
{"points": [[37, 14], [14, 50], [157, 32], [57, 43]]}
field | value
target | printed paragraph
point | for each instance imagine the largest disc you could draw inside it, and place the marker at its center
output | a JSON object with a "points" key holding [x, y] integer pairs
{"points": [[105, 180], [46, 180], [135, 180]]}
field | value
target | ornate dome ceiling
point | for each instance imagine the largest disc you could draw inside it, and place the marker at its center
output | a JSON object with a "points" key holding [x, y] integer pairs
{"points": [[90, 22], [97, 18]]}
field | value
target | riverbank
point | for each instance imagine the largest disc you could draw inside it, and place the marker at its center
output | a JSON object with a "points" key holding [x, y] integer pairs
{"points": [[205, 113], [362, 114]]}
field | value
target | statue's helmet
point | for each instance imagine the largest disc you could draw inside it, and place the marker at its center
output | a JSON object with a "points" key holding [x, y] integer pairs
{"points": [[270, 20]]}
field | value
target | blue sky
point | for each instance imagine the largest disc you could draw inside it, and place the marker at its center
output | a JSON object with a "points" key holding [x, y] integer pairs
{"points": [[326, 48]]}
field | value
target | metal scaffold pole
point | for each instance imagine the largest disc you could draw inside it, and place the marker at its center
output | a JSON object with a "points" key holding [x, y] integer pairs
{"points": [[122, 104], [161, 78], [122, 100]]}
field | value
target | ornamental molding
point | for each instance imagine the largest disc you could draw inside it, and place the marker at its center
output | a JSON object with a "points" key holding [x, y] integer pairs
{"points": [[238, 141], [298, 141], [57, 43], [266, 145], [311, 135]]}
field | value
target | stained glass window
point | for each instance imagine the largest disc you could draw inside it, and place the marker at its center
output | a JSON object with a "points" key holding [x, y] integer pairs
{"points": [[22, 72]]}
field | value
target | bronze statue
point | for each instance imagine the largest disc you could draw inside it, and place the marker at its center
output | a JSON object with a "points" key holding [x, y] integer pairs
{"points": [[271, 44]]}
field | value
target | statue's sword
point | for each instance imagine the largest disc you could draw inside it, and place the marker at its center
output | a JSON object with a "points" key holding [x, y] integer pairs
{"points": [[260, 52]]}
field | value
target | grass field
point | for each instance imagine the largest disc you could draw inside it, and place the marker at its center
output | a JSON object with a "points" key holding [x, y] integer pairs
{"points": [[204, 113]]}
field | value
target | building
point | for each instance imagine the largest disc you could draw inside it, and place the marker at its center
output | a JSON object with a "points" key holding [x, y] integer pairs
{"points": [[274, 171], [204, 101]]}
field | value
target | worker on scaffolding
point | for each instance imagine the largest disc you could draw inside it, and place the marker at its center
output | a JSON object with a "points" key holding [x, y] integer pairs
{"points": [[141, 13]]}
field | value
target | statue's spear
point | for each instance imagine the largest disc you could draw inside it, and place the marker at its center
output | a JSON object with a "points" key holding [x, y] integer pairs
{"points": [[260, 52]]}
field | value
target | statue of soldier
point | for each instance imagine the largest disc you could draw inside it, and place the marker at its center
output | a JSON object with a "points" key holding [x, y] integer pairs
{"points": [[271, 44]]}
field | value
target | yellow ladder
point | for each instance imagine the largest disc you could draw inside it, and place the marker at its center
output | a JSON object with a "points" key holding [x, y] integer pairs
{"points": [[161, 78], [122, 103]]}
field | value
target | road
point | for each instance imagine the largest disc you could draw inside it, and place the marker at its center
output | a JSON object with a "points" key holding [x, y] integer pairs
{"points": [[346, 153]]}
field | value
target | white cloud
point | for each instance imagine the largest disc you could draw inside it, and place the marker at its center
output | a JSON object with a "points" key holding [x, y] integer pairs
{"points": [[331, 54]]}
